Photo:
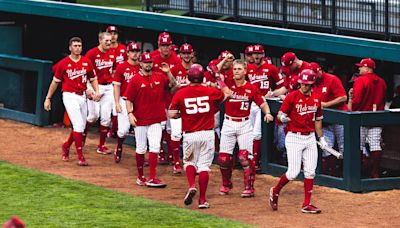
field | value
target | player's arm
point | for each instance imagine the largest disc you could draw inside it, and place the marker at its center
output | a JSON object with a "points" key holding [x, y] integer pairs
{"points": [[318, 128], [335, 101], [117, 95], [276, 93], [95, 84], [129, 108], [265, 109], [172, 81], [52, 88], [228, 57]]}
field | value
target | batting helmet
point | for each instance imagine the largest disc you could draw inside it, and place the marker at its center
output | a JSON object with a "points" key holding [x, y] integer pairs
{"points": [[307, 76], [196, 73]]}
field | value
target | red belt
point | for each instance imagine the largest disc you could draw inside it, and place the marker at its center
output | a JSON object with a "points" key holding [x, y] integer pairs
{"points": [[236, 119], [302, 133]]}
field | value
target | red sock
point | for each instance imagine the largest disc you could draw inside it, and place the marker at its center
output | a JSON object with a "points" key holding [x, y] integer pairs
{"points": [[70, 140], [114, 121], [282, 182], [167, 138], [153, 159], [376, 161], [256, 150], [120, 141], [175, 147], [308, 186], [78, 138], [203, 183], [140, 164], [216, 141], [191, 175], [103, 135]]}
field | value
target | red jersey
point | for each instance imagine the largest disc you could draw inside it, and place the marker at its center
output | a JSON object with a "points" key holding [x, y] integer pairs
{"points": [[120, 53], [238, 105], [266, 77], [172, 61], [302, 110], [147, 96], [74, 75], [228, 77], [103, 64], [180, 74], [196, 107], [369, 93], [329, 87], [123, 75], [291, 77], [157, 52]]}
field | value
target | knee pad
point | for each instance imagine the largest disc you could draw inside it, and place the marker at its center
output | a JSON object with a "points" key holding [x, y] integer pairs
{"points": [[225, 160], [243, 157]]}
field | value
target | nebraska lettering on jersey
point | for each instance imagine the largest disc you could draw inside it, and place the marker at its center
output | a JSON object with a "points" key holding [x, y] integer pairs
{"points": [[196, 107], [124, 73], [238, 105], [103, 63], [120, 53], [147, 96], [302, 110], [266, 77], [180, 74], [74, 74]]}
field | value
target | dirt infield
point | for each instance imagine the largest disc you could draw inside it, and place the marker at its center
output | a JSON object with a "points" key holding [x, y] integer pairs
{"points": [[39, 148]]}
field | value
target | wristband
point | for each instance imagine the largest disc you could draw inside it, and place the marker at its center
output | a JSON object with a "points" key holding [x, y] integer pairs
{"points": [[48, 98]]}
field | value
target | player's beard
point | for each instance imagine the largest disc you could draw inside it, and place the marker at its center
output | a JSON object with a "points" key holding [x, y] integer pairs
{"points": [[147, 70]]}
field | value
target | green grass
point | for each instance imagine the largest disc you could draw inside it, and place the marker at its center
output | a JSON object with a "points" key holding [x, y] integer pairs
{"points": [[45, 200]]}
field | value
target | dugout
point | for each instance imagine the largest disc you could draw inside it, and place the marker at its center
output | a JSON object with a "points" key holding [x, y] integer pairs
{"points": [[40, 31]]}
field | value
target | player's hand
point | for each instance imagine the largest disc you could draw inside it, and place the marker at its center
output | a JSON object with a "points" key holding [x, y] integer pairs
{"points": [[351, 93], [47, 104], [219, 76], [229, 57], [323, 144], [89, 94], [282, 97], [96, 97], [323, 104], [165, 68], [132, 119], [118, 107], [269, 94], [268, 118], [284, 119]]}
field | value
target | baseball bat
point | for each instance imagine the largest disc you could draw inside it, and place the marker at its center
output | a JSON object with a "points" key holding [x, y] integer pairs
{"points": [[332, 151]]}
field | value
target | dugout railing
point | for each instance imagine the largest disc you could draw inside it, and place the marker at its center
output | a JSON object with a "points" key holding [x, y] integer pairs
{"points": [[351, 179], [24, 101]]}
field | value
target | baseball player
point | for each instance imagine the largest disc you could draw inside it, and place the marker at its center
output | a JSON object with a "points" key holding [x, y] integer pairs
{"points": [[181, 76], [333, 96], [237, 128], [302, 112], [158, 51], [123, 75], [369, 95], [195, 105], [119, 51], [73, 71], [145, 104], [224, 67], [265, 77], [165, 55], [248, 52]]}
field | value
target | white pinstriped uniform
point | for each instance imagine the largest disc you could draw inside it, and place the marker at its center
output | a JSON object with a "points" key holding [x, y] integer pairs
{"points": [[123, 120], [301, 149], [372, 136], [103, 108], [151, 133], [242, 131], [255, 118], [199, 149], [76, 107]]}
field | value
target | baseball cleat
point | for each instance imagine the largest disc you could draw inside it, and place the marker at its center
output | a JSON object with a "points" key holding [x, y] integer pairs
{"points": [[247, 193], [163, 161], [141, 181], [65, 153], [310, 209], [82, 162], [155, 183], [117, 156], [204, 205], [103, 150], [224, 190], [177, 169], [273, 199], [189, 196]]}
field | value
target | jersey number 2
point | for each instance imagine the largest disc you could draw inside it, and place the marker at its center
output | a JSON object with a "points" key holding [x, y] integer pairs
{"points": [[197, 105]]}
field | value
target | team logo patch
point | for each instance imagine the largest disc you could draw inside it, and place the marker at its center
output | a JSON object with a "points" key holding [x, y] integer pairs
{"points": [[265, 70], [180, 72], [122, 50], [98, 56], [315, 100], [247, 91], [156, 83], [69, 65], [112, 56], [84, 64], [324, 89], [127, 69], [301, 100], [143, 85]]}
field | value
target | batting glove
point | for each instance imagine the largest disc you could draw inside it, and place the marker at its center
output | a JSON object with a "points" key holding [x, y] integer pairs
{"points": [[323, 144], [284, 119]]}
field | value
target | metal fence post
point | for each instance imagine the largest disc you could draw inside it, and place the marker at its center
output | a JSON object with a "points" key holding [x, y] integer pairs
{"points": [[236, 9], [323, 9], [284, 13], [191, 7], [148, 5], [333, 17], [387, 34]]}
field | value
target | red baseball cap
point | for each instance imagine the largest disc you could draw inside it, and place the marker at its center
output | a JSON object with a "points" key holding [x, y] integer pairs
{"points": [[258, 48], [133, 47], [112, 28], [223, 54], [164, 38], [367, 63], [288, 58], [145, 57], [249, 50], [315, 67], [174, 47], [186, 48]]}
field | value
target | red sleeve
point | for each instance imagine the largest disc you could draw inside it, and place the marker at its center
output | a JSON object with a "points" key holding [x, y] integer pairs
{"points": [[89, 55], [257, 97], [59, 71], [216, 95], [318, 114], [337, 87], [287, 104], [357, 94], [277, 76], [118, 75], [174, 106], [130, 92], [91, 72]]}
